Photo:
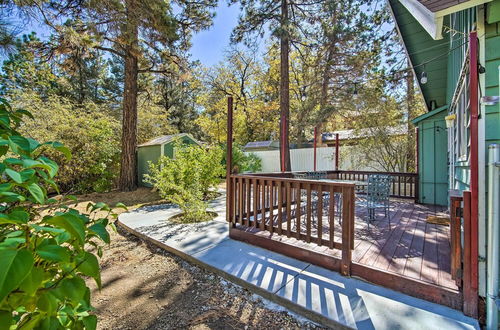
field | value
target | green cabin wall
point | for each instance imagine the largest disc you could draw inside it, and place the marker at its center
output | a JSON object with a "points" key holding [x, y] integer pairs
{"points": [[432, 159], [464, 22], [146, 154], [492, 57]]}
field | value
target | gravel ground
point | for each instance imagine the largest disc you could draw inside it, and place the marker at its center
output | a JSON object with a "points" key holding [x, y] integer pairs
{"points": [[145, 287]]}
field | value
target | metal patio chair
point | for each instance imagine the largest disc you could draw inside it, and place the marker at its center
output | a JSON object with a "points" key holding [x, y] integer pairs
{"points": [[377, 195]]}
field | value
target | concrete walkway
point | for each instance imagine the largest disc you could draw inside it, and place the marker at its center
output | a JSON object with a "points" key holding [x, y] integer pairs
{"points": [[323, 296]]}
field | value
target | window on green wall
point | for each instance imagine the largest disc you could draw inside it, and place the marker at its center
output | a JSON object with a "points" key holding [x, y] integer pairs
{"points": [[461, 107]]}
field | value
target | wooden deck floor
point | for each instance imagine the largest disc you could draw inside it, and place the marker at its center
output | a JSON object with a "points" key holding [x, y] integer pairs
{"points": [[409, 247]]}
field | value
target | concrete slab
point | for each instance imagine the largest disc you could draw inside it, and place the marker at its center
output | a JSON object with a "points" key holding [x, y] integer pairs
{"points": [[259, 267], [152, 221], [322, 295], [361, 305]]}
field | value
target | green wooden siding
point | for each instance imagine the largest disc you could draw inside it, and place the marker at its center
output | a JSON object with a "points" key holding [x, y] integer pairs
{"points": [[145, 155], [493, 12], [432, 156], [492, 56], [463, 22]]}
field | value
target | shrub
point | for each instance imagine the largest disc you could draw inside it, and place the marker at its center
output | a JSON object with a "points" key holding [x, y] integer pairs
{"points": [[245, 163], [188, 179], [92, 135], [44, 244]]}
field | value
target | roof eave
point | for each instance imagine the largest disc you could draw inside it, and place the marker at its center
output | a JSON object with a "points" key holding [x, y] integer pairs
{"points": [[432, 22], [405, 49]]}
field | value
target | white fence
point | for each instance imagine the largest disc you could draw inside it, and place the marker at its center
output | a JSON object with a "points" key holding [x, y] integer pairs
{"points": [[303, 160]]}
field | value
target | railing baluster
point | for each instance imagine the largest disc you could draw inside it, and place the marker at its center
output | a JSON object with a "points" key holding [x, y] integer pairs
{"points": [[331, 216], [271, 206], [288, 209], [263, 206], [280, 207], [320, 214], [240, 201], [255, 201], [297, 210], [248, 187], [308, 219]]}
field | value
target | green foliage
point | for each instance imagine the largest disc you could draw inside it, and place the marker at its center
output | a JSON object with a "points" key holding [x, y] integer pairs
{"points": [[245, 163], [44, 244], [90, 133], [188, 179]]}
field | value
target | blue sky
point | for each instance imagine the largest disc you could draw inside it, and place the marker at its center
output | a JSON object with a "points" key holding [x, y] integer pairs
{"points": [[209, 45]]}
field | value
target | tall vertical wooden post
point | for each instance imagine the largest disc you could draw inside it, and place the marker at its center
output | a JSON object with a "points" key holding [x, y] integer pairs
{"points": [[315, 145], [417, 180], [470, 307], [229, 160], [337, 152]]}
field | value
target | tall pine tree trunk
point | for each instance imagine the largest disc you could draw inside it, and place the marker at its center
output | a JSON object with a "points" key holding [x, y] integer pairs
{"points": [[284, 89], [128, 173]]}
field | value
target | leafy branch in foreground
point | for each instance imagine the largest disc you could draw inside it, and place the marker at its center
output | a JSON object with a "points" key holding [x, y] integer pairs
{"points": [[46, 247]]}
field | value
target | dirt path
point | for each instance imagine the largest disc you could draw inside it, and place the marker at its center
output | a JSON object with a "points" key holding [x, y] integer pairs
{"points": [[145, 287]]}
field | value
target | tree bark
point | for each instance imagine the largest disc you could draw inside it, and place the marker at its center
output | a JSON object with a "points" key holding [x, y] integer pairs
{"points": [[284, 89], [128, 173]]}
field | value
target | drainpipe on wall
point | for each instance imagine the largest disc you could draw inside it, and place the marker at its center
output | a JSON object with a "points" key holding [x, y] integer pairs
{"points": [[493, 236]]}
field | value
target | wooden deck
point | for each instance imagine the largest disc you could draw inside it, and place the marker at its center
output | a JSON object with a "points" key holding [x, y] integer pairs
{"points": [[410, 247]]}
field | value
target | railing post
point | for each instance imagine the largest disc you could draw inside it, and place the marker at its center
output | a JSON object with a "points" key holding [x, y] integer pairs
{"points": [[469, 290], [229, 161], [456, 236], [417, 183], [347, 230]]}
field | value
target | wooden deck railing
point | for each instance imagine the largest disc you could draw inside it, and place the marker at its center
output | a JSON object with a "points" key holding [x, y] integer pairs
{"points": [[286, 206], [404, 185]]}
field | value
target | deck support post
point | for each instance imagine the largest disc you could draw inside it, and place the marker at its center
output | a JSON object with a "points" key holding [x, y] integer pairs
{"points": [[470, 306], [417, 181], [347, 230], [229, 162]]}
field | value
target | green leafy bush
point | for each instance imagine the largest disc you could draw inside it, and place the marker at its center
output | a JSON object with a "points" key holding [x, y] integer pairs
{"points": [[245, 163], [92, 135], [45, 246], [188, 179]]}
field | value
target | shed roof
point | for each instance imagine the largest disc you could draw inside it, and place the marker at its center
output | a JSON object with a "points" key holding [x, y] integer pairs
{"points": [[429, 114], [261, 144], [164, 139]]}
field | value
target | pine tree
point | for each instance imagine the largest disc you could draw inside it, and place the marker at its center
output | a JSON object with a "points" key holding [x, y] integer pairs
{"points": [[146, 35]]}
